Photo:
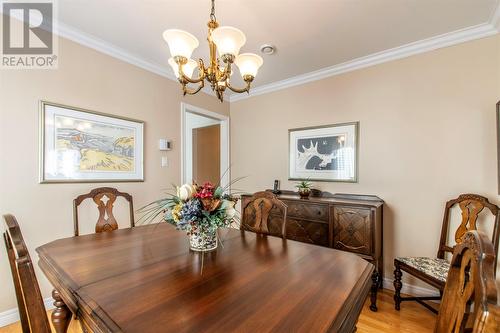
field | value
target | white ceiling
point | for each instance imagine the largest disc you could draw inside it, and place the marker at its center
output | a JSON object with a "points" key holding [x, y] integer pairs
{"points": [[309, 35]]}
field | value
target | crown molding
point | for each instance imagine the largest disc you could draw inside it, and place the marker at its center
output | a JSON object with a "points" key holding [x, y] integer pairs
{"points": [[425, 45], [80, 37], [68, 32], [495, 18]]}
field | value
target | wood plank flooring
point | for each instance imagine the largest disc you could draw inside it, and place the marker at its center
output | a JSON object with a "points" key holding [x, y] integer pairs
{"points": [[411, 318]]}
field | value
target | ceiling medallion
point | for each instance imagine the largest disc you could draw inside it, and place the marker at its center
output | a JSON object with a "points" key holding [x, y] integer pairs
{"points": [[223, 41]]}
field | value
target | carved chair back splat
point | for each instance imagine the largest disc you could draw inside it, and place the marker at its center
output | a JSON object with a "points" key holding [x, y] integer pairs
{"points": [[256, 213], [29, 299], [471, 207], [106, 220], [470, 295]]}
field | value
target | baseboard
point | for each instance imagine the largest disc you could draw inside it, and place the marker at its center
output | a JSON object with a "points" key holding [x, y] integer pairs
{"points": [[411, 289], [11, 316]]}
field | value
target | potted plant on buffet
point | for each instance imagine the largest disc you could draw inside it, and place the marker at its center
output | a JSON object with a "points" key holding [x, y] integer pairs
{"points": [[304, 188]]}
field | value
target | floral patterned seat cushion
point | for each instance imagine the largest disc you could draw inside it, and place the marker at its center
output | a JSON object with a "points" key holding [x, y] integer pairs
{"points": [[437, 268]]}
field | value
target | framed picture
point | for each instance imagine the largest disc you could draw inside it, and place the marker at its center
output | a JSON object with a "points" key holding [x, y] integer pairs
{"points": [[78, 145], [324, 153]]}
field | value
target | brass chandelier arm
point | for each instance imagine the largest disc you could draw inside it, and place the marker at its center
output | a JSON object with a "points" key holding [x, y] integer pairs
{"points": [[188, 91], [239, 90], [201, 74]]}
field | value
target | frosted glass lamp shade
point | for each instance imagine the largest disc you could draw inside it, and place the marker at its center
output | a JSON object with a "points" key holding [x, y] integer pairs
{"points": [[248, 64], [228, 40], [180, 43], [187, 69]]}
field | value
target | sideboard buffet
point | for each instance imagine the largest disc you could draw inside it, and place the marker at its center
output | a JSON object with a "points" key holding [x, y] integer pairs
{"points": [[346, 222]]}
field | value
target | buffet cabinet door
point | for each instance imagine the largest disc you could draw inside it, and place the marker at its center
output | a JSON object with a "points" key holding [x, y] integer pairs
{"points": [[352, 229]]}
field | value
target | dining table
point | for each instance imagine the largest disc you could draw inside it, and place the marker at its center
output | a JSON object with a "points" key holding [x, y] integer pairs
{"points": [[147, 280]]}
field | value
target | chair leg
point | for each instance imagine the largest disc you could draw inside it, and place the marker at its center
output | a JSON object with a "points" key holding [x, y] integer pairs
{"points": [[374, 289], [397, 286]]}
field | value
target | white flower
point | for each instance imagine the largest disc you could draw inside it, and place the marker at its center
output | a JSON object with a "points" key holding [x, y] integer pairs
{"points": [[185, 192], [229, 206]]}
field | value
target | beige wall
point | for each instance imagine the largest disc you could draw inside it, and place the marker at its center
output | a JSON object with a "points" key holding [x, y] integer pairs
{"points": [[91, 80], [427, 134]]}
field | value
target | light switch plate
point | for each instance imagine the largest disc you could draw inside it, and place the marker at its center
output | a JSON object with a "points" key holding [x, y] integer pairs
{"points": [[164, 161]]}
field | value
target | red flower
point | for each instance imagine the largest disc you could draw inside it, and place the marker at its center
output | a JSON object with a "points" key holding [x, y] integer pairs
{"points": [[206, 191]]}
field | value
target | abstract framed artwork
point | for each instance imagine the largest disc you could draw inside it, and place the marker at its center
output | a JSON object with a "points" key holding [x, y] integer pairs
{"points": [[78, 145], [324, 153]]}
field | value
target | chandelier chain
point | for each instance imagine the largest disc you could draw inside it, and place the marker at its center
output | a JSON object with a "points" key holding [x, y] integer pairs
{"points": [[212, 12]]}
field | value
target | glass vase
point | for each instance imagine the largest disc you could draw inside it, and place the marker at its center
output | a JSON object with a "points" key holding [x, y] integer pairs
{"points": [[203, 240]]}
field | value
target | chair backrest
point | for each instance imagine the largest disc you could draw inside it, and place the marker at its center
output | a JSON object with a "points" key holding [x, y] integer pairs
{"points": [[29, 299], [470, 292], [106, 220], [471, 206], [256, 214]]}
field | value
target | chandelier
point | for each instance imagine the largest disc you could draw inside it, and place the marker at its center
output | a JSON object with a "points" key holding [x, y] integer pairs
{"points": [[224, 44]]}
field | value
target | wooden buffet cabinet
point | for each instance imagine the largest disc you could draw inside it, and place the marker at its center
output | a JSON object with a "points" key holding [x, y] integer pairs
{"points": [[346, 222]]}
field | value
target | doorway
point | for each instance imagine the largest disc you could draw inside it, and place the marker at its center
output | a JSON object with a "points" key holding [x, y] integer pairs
{"points": [[205, 146]]}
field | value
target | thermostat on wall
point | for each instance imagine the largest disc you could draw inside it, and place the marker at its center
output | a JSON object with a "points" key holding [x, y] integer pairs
{"points": [[165, 144]]}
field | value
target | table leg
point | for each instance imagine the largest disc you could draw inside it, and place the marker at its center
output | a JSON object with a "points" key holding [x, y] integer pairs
{"points": [[61, 316], [374, 290]]}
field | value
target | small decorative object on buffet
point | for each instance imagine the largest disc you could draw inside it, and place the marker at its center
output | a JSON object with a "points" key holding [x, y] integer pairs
{"points": [[198, 210], [304, 188]]}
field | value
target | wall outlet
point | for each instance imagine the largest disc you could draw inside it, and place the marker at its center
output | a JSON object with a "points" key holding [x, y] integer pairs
{"points": [[164, 161]]}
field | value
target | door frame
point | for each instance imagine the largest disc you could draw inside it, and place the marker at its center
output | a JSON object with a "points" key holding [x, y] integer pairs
{"points": [[224, 140]]}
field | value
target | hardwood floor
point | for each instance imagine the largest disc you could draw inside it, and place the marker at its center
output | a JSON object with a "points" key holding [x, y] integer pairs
{"points": [[411, 318]]}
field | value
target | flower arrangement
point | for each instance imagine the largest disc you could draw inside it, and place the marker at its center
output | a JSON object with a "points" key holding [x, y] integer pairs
{"points": [[198, 210]]}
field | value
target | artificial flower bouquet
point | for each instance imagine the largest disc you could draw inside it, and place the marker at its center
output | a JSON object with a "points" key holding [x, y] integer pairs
{"points": [[199, 210]]}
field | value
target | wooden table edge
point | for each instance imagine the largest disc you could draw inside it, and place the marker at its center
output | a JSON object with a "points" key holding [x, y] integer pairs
{"points": [[358, 294]]}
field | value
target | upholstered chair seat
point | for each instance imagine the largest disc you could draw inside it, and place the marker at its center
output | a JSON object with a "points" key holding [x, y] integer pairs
{"points": [[433, 267]]}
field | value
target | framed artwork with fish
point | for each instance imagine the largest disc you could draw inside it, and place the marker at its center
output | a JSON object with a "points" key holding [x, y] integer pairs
{"points": [[78, 145], [324, 153]]}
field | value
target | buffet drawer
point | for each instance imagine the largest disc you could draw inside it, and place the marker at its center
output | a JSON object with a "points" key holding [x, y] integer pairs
{"points": [[306, 211], [307, 231]]}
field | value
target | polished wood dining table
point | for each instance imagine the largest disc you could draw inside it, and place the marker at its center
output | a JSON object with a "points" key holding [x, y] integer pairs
{"points": [[146, 279]]}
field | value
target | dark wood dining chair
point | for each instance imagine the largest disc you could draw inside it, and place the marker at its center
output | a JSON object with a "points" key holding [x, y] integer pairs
{"points": [[264, 213], [469, 301], [434, 270], [104, 198], [32, 310]]}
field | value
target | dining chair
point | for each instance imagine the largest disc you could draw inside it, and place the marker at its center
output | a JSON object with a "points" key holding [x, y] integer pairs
{"points": [[104, 198], [32, 310], [469, 301], [434, 270], [264, 213]]}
